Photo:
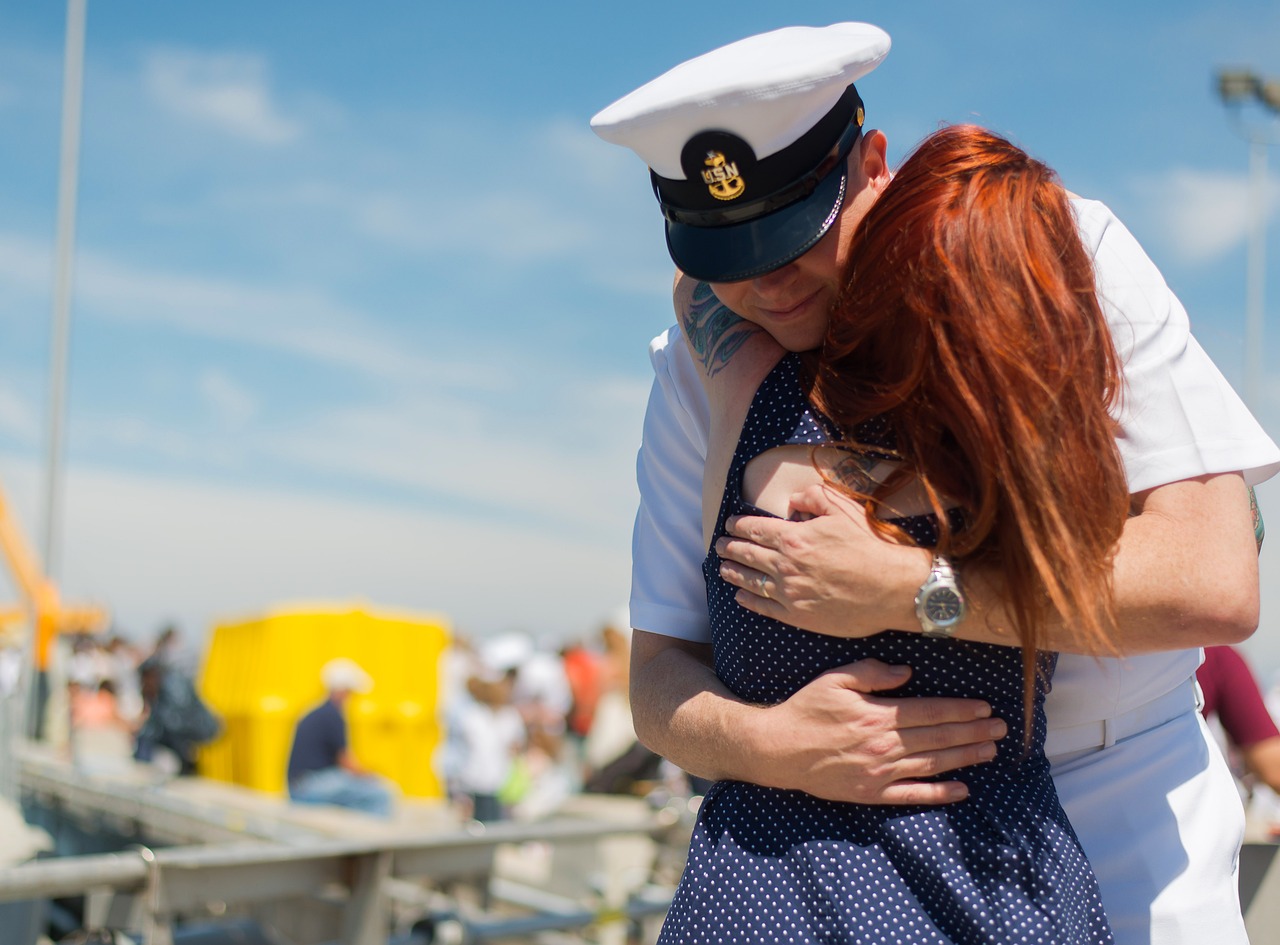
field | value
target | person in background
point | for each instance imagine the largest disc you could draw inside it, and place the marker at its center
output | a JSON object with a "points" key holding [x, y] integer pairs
{"points": [[542, 696], [174, 717], [101, 737], [488, 739], [88, 664], [583, 668], [1231, 694], [168, 646], [614, 760], [322, 768], [123, 661], [95, 706]]}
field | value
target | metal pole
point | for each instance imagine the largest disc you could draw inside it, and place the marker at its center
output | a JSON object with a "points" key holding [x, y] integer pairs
{"points": [[72, 88], [1256, 272], [1235, 87]]}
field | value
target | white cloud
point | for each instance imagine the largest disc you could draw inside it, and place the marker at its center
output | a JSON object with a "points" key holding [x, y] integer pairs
{"points": [[590, 161], [1204, 214], [226, 91], [26, 265], [17, 417], [142, 437], [231, 403], [517, 225], [157, 549], [570, 464], [303, 322], [568, 198], [444, 427]]}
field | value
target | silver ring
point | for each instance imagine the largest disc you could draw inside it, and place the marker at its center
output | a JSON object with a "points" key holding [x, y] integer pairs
{"points": [[760, 588]]}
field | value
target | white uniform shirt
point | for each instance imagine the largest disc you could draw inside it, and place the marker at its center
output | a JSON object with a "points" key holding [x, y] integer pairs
{"points": [[1179, 419]]}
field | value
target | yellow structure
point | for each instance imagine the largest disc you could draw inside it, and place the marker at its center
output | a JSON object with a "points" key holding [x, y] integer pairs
{"points": [[260, 676], [41, 606]]}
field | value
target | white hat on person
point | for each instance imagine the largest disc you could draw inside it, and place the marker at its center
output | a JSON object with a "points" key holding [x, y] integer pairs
{"points": [[506, 652], [746, 144], [345, 675]]}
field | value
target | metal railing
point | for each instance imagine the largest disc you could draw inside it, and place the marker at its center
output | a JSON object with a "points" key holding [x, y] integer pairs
{"points": [[148, 890]]}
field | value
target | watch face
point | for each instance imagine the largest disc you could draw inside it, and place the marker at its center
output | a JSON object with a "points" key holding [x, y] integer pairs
{"points": [[942, 606]]}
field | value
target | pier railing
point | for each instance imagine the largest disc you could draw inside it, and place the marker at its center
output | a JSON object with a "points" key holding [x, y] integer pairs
{"points": [[149, 890]]}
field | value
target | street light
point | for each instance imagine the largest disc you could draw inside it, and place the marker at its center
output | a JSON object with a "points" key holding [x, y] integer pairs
{"points": [[1237, 84], [1236, 87], [64, 250]]}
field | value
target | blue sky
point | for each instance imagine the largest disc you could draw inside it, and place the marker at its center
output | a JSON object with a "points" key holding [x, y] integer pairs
{"points": [[361, 305]]}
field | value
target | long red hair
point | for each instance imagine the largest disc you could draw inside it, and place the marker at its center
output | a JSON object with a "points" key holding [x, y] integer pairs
{"points": [[969, 319]]}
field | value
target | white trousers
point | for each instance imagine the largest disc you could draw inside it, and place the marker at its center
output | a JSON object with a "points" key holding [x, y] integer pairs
{"points": [[1160, 818]]}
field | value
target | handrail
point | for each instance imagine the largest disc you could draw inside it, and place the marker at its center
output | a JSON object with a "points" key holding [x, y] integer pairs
{"points": [[442, 855], [184, 880]]}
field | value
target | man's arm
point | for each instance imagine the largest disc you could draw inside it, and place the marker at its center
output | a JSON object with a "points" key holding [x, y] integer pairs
{"points": [[347, 762], [1262, 760], [832, 738], [1232, 693], [1185, 572]]}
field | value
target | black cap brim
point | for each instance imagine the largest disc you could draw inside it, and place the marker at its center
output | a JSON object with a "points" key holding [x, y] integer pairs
{"points": [[746, 250]]}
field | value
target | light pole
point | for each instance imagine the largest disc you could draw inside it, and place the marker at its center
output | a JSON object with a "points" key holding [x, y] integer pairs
{"points": [[68, 175], [1235, 87]]}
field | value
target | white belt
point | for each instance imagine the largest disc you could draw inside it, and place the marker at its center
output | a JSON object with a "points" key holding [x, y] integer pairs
{"points": [[1106, 732]]}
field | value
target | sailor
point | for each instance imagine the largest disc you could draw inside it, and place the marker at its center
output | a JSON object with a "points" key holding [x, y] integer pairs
{"points": [[762, 165]]}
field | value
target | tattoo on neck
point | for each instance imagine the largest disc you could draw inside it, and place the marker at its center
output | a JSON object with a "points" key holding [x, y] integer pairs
{"points": [[1259, 529], [714, 332]]}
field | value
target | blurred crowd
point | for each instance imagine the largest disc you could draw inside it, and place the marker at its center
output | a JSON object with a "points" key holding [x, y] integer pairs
{"points": [[123, 701], [528, 726]]}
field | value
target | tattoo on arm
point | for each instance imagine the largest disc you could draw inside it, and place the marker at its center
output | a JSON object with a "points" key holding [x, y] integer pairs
{"points": [[1259, 530], [714, 332]]}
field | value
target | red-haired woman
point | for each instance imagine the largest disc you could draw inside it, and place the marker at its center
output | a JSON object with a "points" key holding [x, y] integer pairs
{"points": [[963, 395]]}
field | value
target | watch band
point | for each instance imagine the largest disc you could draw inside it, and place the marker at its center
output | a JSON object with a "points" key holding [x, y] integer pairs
{"points": [[940, 603]]}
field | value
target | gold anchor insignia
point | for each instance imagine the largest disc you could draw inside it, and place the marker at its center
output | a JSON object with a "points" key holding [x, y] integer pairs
{"points": [[722, 178], [861, 116]]}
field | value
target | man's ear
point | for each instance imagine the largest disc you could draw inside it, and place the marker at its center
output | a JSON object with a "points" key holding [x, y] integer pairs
{"points": [[873, 159]]}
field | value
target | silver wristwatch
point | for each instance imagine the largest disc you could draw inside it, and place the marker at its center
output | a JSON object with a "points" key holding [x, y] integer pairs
{"points": [[940, 604]]}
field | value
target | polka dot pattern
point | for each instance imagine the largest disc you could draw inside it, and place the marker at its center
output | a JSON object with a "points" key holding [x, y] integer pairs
{"points": [[783, 866]]}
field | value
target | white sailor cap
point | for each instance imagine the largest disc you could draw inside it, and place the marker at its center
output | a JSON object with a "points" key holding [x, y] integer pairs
{"points": [[746, 144]]}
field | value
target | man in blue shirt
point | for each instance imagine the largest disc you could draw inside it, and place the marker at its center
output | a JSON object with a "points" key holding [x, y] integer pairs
{"points": [[322, 769]]}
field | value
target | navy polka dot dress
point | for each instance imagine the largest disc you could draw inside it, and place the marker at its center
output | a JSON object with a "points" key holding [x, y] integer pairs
{"points": [[767, 865]]}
